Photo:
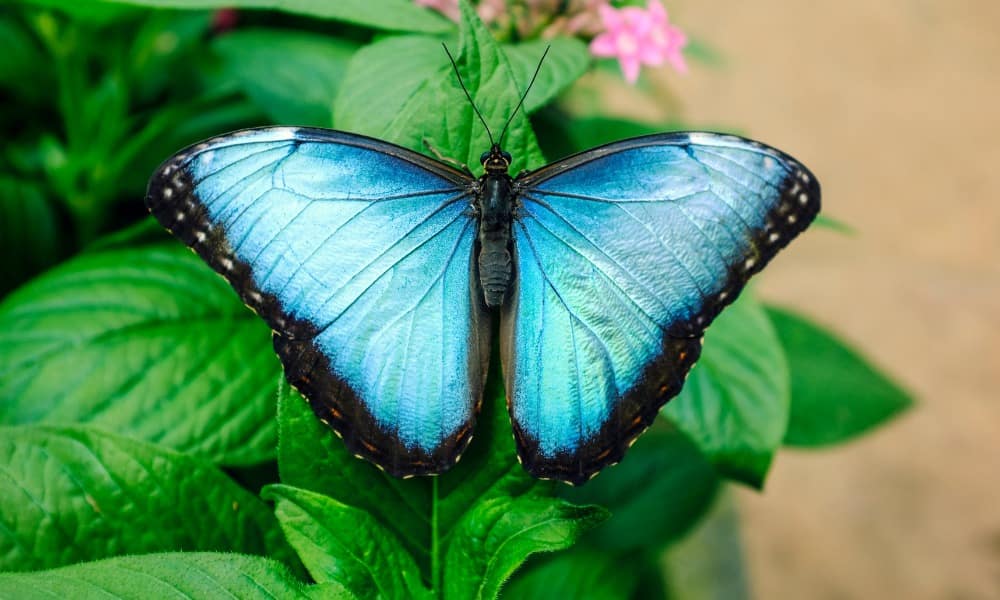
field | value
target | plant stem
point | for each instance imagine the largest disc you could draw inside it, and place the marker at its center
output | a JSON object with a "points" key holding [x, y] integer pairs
{"points": [[435, 559]]}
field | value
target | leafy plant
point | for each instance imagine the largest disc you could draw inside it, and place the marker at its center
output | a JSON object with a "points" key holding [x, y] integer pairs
{"points": [[139, 448]]}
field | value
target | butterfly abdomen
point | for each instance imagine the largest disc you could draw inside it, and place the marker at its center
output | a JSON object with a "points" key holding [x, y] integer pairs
{"points": [[494, 272]]}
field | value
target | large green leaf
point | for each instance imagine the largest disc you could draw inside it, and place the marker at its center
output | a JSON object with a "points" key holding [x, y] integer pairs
{"points": [[836, 393], [184, 576], [341, 543], [735, 402], [23, 71], [655, 495], [566, 61], [146, 342], [391, 15], [498, 534], [73, 494], [586, 572], [708, 564], [88, 12], [364, 103], [32, 232], [467, 530], [561, 134], [292, 75], [436, 111]]}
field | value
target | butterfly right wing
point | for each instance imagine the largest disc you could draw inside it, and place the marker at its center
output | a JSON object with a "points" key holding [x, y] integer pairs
{"points": [[625, 254], [358, 254]]}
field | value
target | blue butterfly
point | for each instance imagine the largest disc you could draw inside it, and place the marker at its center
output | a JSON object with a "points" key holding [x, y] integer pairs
{"points": [[379, 270]]}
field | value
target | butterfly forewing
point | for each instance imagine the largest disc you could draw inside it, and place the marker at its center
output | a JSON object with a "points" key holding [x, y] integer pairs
{"points": [[358, 254], [624, 254]]}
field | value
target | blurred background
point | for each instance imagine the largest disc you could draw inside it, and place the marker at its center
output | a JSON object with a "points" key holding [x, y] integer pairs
{"points": [[893, 104]]}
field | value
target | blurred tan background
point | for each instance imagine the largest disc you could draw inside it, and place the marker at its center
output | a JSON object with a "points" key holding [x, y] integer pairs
{"points": [[895, 105]]}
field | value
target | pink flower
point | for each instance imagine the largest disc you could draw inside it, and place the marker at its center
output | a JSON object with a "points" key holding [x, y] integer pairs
{"points": [[637, 37], [488, 10], [224, 19], [448, 8]]}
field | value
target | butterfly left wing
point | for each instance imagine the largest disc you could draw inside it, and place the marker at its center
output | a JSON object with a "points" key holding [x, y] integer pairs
{"points": [[358, 254], [624, 255]]}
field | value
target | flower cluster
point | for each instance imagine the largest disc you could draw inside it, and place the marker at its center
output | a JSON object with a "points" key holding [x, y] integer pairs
{"points": [[633, 35], [636, 37]]}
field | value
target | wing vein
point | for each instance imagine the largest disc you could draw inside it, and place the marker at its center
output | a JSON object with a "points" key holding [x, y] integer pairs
{"points": [[570, 311], [604, 274], [382, 274]]}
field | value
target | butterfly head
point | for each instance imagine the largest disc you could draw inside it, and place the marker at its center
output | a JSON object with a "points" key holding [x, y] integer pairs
{"points": [[495, 161]]}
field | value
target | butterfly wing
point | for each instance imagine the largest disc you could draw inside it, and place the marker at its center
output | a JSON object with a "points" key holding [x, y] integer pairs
{"points": [[358, 255], [624, 255]]}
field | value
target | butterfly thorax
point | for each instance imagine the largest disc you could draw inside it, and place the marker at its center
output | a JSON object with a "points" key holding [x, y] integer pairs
{"points": [[495, 204]]}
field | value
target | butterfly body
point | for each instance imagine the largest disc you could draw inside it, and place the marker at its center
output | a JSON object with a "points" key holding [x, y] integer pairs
{"points": [[495, 206], [381, 270]]}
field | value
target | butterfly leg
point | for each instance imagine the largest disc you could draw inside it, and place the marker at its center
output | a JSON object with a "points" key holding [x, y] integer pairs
{"points": [[438, 155]]}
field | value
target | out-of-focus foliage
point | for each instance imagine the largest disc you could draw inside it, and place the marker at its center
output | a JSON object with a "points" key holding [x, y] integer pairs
{"points": [[138, 396]]}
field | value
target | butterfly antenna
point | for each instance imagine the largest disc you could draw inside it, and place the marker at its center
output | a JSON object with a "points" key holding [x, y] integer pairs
{"points": [[525, 94], [454, 65]]}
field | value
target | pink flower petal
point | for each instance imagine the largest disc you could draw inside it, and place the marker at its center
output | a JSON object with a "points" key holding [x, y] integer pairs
{"points": [[637, 36], [657, 13], [651, 55], [610, 17], [630, 68], [603, 45], [676, 60]]}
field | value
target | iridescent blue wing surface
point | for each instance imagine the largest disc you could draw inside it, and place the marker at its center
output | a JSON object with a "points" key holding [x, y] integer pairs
{"points": [[358, 254], [624, 255]]}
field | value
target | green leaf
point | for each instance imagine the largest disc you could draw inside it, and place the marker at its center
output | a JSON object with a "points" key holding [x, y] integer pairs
{"points": [[23, 66], [87, 12], [698, 50], [836, 393], [73, 494], [567, 60], [344, 544], [735, 402], [292, 75], [708, 564], [499, 534], [147, 342], [364, 103], [391, 15], [655, 495], [311, 457], [835, 225], [437, 111], [429, 515], [184, 576], [32, 231], [561, 134], [145, 232], [586, 572]]}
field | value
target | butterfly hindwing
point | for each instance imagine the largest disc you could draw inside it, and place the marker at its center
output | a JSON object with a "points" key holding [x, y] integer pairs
{"points": [[358, 254], [624, 255]]}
